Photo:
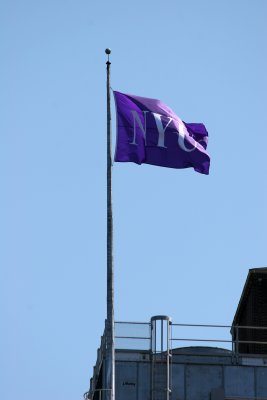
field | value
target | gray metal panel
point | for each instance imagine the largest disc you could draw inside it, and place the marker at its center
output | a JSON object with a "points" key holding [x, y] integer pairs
{"points": [[201, 379], [143, 388], [126, 381], [261, 380], [177, 385], [239, 381]]}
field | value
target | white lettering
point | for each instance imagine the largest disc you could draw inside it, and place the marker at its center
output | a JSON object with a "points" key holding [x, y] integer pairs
{"points": [[136, 118], [161, 130], [182, 133]]}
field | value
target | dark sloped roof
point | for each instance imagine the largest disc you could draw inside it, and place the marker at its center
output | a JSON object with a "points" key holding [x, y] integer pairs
{"points": [[258, 272]]}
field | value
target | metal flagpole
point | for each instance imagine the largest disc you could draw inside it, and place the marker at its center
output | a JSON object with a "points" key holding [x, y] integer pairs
{"points": [[110, 355]]}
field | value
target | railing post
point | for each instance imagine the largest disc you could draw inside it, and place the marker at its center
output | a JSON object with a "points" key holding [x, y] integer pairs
{"points": [[233, 343], [237, 343]]}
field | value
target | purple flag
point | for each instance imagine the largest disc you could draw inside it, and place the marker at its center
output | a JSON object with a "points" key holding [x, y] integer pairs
{"points": [[149, 132]]}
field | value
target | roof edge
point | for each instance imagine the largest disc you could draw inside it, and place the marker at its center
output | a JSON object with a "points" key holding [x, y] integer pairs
{"points": [[251, 271]]}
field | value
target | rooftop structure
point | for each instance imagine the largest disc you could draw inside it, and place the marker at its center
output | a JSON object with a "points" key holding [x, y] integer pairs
{"points": [[252, 311], [162, 360]]}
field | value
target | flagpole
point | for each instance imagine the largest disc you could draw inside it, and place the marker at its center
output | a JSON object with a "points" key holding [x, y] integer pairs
{"points": [[110, 356]]}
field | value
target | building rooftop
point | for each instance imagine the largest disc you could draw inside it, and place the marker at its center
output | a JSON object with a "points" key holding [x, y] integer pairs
{"points": [[191, 361]]}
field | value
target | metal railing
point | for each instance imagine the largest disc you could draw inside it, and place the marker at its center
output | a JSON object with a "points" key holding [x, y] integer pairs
{"points": [[101, 393], [202, 335], [137, 336], [132, 335]]}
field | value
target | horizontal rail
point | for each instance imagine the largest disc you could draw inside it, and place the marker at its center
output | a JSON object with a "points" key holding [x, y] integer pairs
{"points": [[133, 337], [222, 326], [202, 340], [203, 325], [250, 327], [132, 323], [249, 342]]}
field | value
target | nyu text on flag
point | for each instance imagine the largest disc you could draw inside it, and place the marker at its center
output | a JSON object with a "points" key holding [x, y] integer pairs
{"points": [[149, 132]]}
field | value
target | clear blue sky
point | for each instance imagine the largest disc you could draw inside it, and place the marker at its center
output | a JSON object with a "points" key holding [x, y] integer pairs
{"points": [[183, 241]]}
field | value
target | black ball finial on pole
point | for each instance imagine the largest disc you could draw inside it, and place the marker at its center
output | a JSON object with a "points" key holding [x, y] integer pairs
{"points": [[108, 52]]}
